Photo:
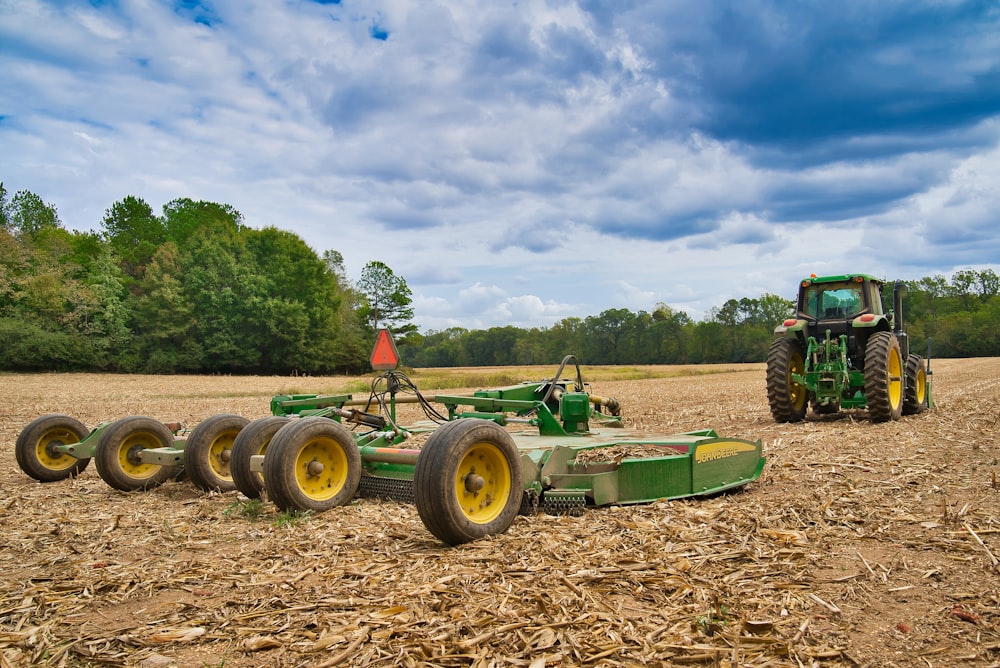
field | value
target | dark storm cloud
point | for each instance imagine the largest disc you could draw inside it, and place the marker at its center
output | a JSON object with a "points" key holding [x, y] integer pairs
{"points": [[795, 75]]}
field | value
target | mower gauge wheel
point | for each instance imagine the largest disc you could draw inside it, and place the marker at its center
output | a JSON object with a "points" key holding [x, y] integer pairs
{"points": [[252, 440], [312, 464], [36, 453], [118, 456], [467, 482], [208, 452]]}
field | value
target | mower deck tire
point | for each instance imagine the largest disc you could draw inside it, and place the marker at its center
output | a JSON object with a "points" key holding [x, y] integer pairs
{"points": [[312, 464], [252, 440], [208, 452], [35, 445], [467, 482], [118, 454]]}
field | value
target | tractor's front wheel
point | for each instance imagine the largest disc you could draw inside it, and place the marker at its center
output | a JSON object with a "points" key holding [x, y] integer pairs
{"points": [[253, 440], [915, 397], [787, 397], [118, 455], [467, 482], [883, 377], [35, 448], [208, 452], [312, 464]]}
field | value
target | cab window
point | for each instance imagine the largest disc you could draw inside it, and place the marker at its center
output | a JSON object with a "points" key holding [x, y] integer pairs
{"points": [[833, 301]]}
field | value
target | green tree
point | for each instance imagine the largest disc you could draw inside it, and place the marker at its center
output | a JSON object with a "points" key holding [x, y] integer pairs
{"points": [[164, 321], [607, 334], [334, 261], [134, 232], [386, 299], [184, 217], [28, 215], [294, 302]]}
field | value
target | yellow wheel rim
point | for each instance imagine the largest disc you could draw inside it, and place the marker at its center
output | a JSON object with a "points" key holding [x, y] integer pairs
{"points": [[49, 457], [796, 367], [895, 371], [321, 468], [921, 386], [482, 483], [130, 452], [220, 453]]}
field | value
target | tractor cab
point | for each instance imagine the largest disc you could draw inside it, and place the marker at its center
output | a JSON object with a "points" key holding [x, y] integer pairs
{"points": [[835, 303], [839, 297]]}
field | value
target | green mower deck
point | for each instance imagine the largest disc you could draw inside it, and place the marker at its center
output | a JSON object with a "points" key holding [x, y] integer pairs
{"points": [[548, 445]]}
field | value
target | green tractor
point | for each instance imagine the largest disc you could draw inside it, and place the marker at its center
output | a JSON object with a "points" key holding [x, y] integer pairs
{"points": [[842, 350]]}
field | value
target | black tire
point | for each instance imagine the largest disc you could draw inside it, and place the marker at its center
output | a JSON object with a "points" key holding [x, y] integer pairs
{"points": [[35, 445], [253, 440], [883, 377], [467, 482], [788, 399], [915, 397], [209, 451], [117, 454], [312, 464]]}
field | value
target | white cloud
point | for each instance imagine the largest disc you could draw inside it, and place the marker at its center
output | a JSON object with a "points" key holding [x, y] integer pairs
{"points": [[518, 164]]}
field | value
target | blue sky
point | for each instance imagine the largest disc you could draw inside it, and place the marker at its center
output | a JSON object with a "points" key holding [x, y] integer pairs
{"points": [[523, 162]]}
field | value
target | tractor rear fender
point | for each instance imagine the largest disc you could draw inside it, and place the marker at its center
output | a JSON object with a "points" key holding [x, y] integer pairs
{"points": [[870, 321], [790, 326]]}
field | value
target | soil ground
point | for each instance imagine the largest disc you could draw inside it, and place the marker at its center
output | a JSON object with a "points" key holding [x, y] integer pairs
{"points": [[860, 545]]}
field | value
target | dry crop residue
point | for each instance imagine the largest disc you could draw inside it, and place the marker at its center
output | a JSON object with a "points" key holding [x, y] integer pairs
{"points": [[861, 545]]}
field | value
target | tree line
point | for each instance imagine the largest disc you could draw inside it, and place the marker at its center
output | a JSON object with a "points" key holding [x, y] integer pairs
{"points": [[955, 318], [195, 290]]}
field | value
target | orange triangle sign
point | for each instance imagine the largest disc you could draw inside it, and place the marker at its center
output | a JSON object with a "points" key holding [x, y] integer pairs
{"points": [[384, 355]]}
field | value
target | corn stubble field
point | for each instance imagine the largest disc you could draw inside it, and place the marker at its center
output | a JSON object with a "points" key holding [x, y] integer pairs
{"points": [[861, 545]]}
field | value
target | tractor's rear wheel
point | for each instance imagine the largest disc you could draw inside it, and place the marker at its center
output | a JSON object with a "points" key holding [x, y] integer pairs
{"points": [[253, 440], [35, 448], [467, 482], [119, 450], [208, 452], [883, 377], [787, 398], [312, 464], [915, 397]]}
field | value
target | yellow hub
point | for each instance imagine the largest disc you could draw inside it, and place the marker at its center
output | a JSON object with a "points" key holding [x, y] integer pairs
{"points": [[482, 483], [220, 453], [321, 468], [48, 456], [130, 455]]}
